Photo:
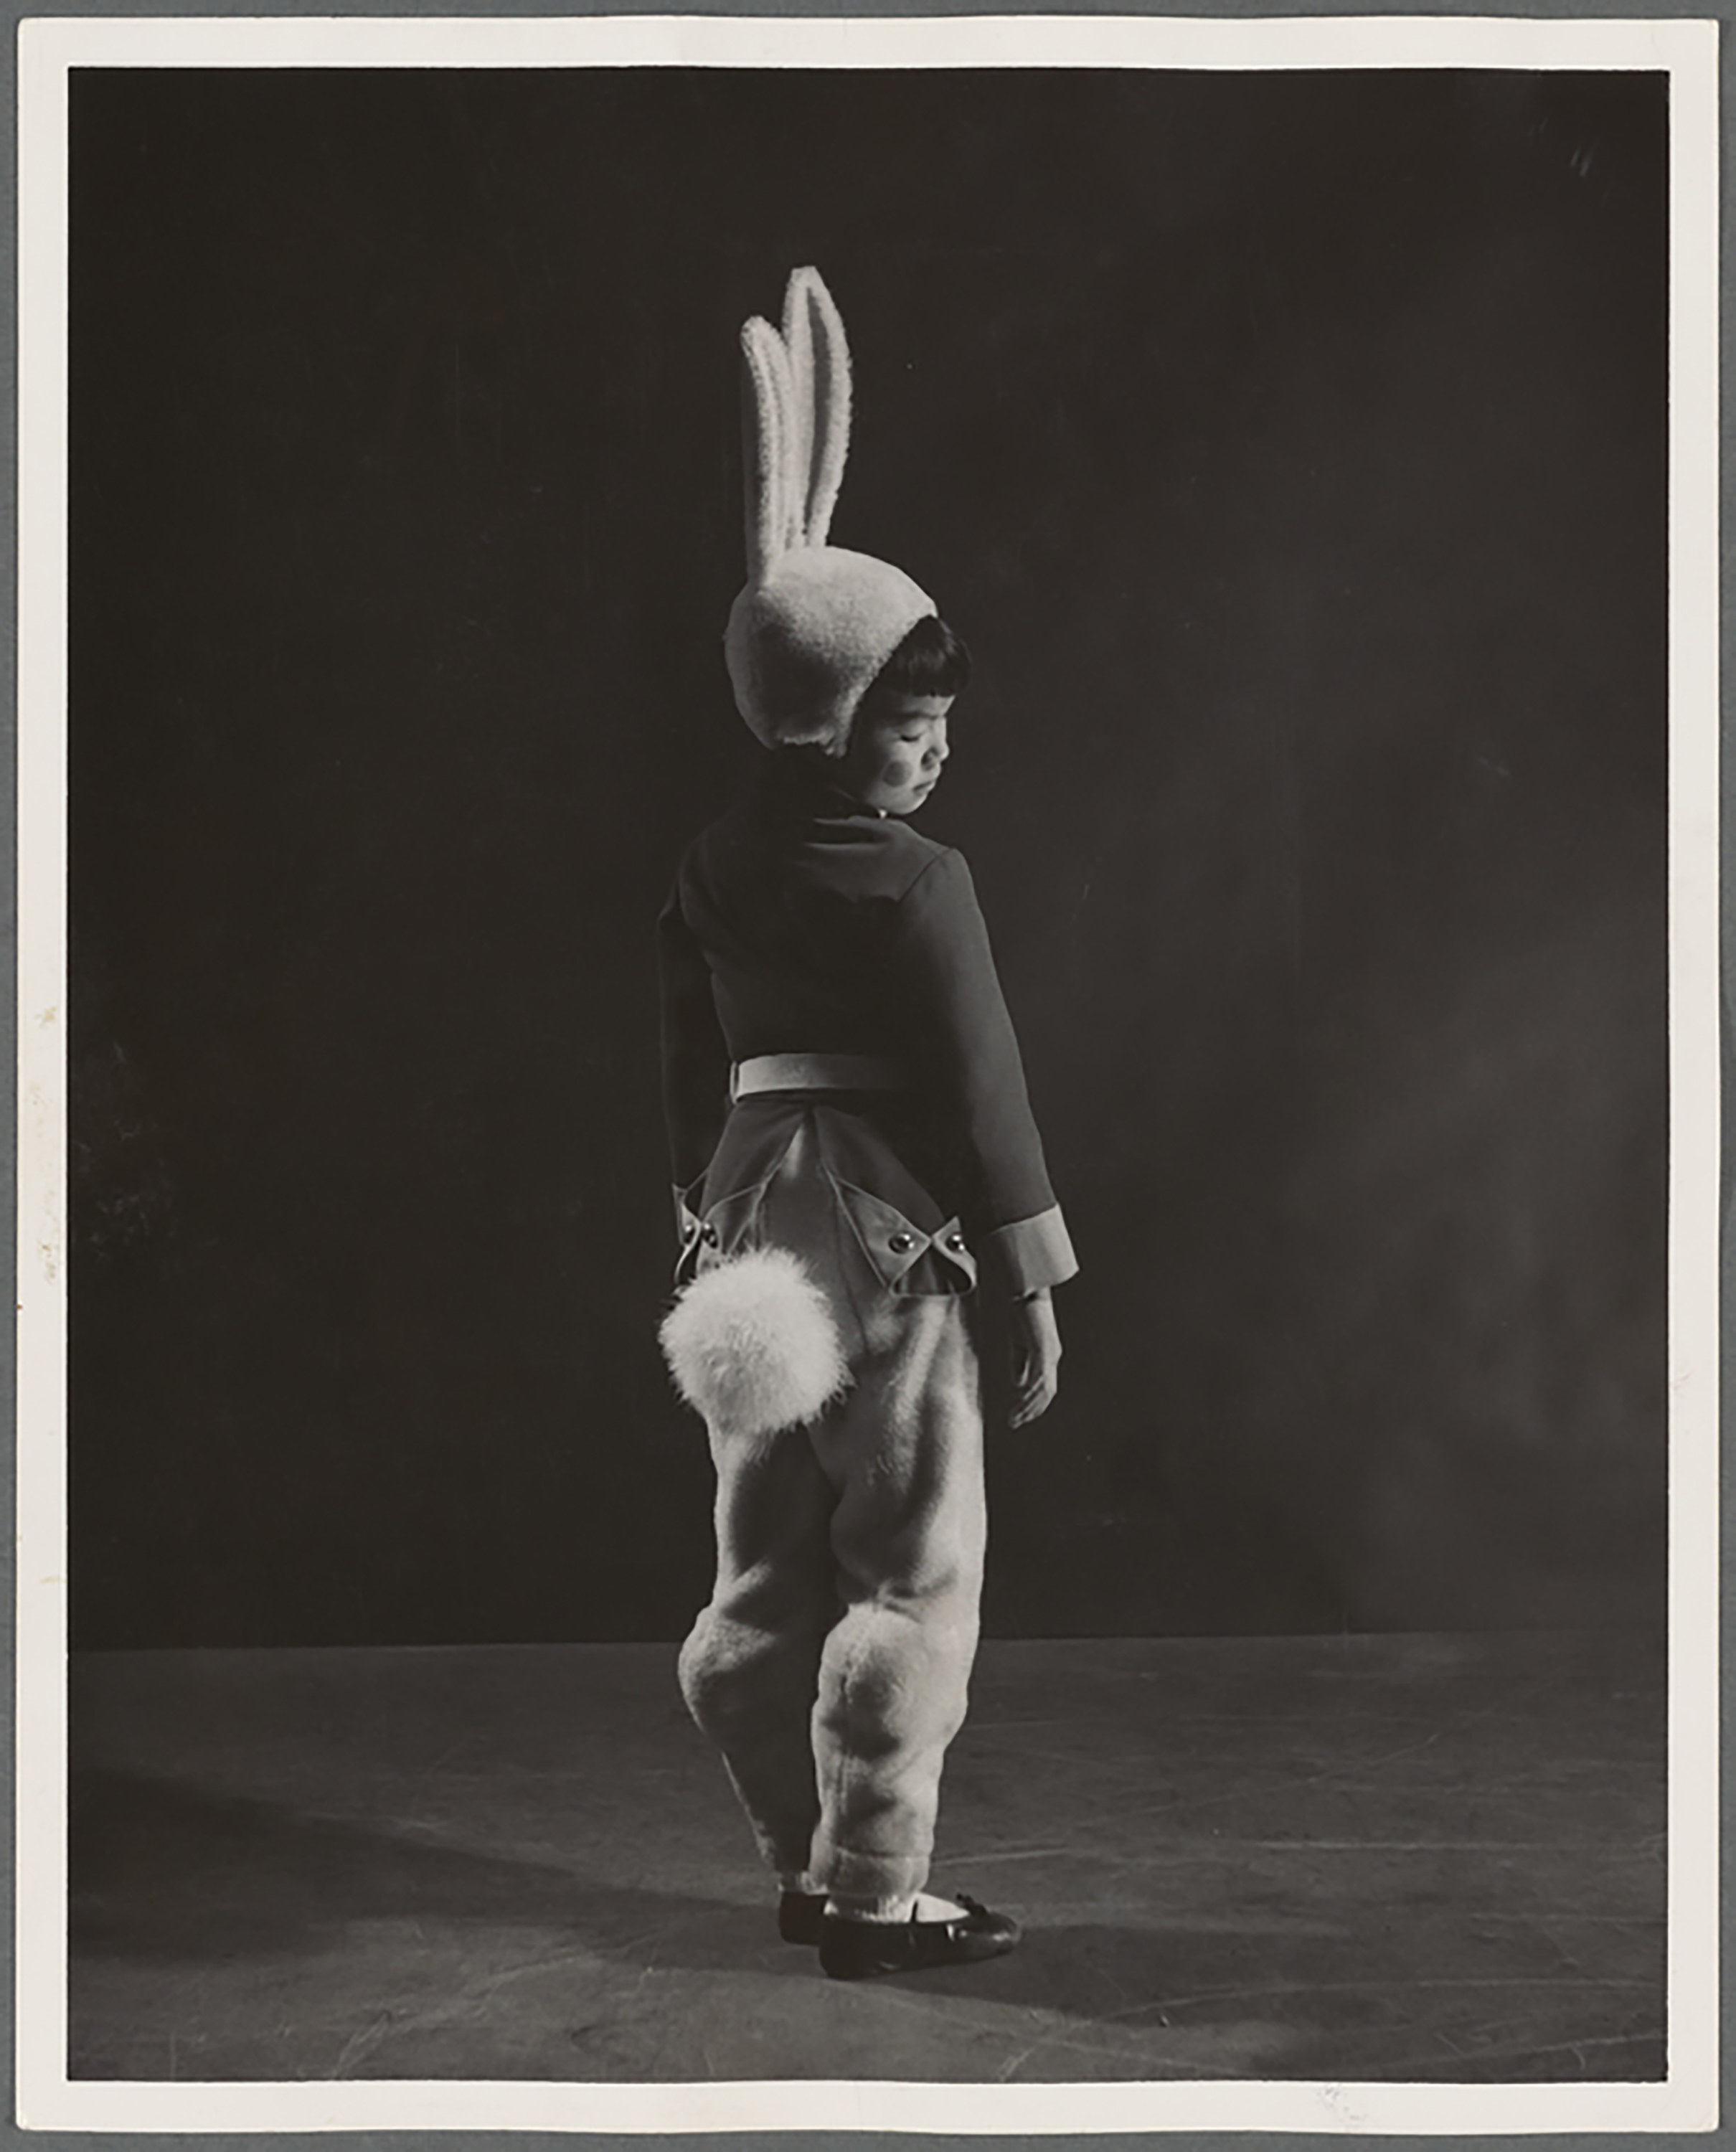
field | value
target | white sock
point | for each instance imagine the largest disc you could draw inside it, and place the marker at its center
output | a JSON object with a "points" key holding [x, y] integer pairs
{"points": [[930, 1908], [924, 1907]]}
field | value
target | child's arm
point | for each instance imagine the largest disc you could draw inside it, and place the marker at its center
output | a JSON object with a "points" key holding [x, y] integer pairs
{"points": [[695, 1059], [948, 984]]}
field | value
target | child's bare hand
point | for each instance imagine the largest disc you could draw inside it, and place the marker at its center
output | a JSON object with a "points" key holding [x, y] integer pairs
{"points": [[1036, 1358]]}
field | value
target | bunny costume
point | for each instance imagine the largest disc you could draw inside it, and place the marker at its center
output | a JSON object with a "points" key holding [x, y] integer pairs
{"points": [[853, 1149]]}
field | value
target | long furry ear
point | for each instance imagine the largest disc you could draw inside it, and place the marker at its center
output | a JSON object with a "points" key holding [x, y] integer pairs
{"points": [[768, 398], [819, 366], [798, 347]]}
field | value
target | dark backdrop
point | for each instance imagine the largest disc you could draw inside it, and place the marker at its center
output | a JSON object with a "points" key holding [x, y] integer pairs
{"points": [[1291, 450]]}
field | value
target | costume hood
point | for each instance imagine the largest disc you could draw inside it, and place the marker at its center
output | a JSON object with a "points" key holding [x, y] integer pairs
{"points": [[814, 623]]}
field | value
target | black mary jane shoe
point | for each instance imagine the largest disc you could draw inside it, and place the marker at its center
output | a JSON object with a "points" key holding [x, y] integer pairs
{"points": [[864, 1950], [801, 1916]]}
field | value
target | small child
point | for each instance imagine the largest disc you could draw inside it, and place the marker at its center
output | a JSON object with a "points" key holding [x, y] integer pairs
{"points": [[853, 1149]]}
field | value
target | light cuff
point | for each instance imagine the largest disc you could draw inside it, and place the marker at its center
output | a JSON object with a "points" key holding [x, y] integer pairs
{"points": [[1029, 1254]]}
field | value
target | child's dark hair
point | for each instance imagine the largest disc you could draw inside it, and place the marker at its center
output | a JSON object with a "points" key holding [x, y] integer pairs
{"points": [[931, 660]]}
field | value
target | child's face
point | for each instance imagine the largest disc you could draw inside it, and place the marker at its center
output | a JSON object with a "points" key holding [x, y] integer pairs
{"points": [[897, 748]]}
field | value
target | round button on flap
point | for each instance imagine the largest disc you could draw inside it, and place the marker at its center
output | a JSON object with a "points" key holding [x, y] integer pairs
{"points": [[955, 1241], [900, 1243]]}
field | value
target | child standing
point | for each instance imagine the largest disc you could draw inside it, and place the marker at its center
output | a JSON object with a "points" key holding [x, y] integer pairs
{"points": [[853, 1152]]}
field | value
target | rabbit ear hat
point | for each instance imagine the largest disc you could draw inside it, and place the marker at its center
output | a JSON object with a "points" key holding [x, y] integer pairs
{"points": [[814, 624]]}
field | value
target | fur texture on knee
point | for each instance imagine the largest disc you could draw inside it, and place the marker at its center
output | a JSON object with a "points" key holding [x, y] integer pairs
{"points": [[753, 1346]]}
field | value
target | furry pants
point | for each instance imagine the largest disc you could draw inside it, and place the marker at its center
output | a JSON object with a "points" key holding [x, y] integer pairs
{"points": [[831, 1665]]}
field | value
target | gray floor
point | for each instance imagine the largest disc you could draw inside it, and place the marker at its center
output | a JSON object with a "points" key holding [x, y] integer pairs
{"points": [[1422, 1858]]}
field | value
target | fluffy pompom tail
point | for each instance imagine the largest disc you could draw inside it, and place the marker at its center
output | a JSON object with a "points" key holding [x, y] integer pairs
{"points": [[752, 1345]]}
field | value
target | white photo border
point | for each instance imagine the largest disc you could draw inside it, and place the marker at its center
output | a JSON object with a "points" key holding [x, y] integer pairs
{"points": [[1687, 2099]]}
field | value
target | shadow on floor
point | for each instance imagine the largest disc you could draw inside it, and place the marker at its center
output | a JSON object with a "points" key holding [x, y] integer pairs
{"points": [[166, 1874]]}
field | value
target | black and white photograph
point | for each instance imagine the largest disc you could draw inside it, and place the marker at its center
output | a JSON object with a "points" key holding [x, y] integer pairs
{"points": [[872, 1005]]}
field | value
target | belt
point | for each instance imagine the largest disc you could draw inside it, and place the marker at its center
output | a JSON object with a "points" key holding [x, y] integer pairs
{"points": [[815, 1071]]}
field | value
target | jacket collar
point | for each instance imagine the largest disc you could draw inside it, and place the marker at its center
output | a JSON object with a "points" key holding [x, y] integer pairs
{"points": [[799, 780]]}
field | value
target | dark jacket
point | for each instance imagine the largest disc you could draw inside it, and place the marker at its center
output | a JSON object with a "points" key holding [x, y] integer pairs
{"points": [[802, 922]]}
